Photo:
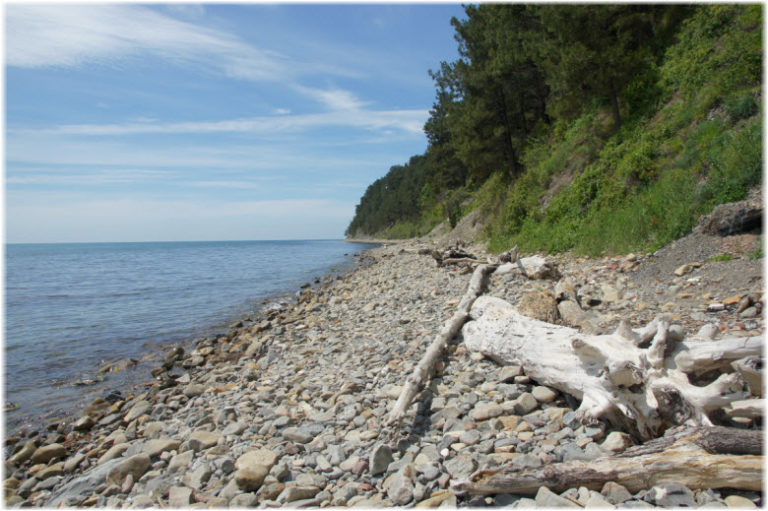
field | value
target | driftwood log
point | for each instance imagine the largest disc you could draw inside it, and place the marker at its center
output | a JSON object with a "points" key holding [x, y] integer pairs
{"points": [[648, 382], [639, 381], [454, 254], [699, 458], [424, 369]]}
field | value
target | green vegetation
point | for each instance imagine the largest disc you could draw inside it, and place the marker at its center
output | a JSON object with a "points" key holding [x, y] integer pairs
{"points": [[595, 128], [721, 258]]}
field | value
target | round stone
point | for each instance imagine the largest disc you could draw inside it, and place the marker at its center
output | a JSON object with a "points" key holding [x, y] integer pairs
{"points": [[544, 394]]}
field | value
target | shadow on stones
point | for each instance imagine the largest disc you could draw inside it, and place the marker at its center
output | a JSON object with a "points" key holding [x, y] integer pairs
{"points": [[414, 431]]}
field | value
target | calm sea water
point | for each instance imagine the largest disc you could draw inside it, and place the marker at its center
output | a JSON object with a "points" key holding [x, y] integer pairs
{"points": [[72, 307]]}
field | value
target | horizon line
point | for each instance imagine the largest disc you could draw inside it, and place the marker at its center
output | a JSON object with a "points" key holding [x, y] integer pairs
{"points": [[166, 241]]}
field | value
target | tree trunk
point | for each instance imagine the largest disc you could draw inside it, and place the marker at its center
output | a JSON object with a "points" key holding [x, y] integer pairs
{"points": [[616, 112], [511, 153], [699, 458]]}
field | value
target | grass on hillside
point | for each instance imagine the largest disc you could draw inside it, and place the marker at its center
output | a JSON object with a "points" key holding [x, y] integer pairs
{"points": [[647, 185]]}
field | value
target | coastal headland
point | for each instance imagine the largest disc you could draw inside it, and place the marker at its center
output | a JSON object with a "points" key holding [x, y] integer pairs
{"points": [[292, 410]]}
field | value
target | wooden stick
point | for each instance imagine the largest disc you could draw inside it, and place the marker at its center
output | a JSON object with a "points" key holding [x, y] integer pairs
{"points": [[456, 260], [424, 369]]}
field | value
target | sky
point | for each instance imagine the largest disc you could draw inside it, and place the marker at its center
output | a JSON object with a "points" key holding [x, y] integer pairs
{"points": [[174, 122]]}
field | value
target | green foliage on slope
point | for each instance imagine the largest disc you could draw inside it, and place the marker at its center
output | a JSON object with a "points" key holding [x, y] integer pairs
{"points": [[617, 161]]}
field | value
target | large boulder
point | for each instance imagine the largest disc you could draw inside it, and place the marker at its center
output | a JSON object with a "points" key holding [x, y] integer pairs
{"points": [[734, 217]]}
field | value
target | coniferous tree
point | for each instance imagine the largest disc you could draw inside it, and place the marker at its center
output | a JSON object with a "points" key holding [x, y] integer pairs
{"points": [[504, 92], [593, 51]]}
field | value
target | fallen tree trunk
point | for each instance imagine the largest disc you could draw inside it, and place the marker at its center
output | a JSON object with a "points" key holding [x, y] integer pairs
{"points": [[642, 390], [423, 371], [699, 458]]}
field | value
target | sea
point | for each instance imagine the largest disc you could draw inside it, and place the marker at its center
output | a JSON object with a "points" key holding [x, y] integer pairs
{"points": [[71, 308]]}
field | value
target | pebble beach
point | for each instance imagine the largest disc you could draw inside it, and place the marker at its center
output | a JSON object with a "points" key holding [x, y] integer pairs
{"points": [[289, 410]]}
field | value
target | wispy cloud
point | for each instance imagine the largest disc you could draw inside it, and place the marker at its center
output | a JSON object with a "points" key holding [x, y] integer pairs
{"points": [[404, 120], [42, 35], [56, 35], [186, 10], [237, 185], [94, 178], [80, 155], [335, 99]]}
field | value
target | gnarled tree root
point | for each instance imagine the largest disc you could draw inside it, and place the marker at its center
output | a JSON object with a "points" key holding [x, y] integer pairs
{"points": [[642, 390]]}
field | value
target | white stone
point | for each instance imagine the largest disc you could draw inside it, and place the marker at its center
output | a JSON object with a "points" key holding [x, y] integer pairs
{"points": [[616, 441], [544, 394]]}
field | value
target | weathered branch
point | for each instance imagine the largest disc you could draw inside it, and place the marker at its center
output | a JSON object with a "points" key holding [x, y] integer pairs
{"points": [[701, 357], [751, 369], [456, 260], [705, 457], [423, 371], [748, 408]]}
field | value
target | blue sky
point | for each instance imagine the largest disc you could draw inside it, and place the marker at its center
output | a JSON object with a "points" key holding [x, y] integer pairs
{"points": [[166, 122]]}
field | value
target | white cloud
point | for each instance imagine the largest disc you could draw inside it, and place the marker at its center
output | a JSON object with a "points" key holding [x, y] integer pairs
{"points": [[73, 35], [335, 99], [95, 178], [62, 152], [64, 35], [410, 121], [42, 35], [233, 184]]}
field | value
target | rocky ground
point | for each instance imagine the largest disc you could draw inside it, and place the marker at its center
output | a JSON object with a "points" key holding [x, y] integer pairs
{"points": [[289, 410]]}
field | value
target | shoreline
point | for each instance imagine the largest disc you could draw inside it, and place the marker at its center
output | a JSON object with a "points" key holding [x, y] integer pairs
{"points": [[290, 411], [134, 373], [376, 241]]}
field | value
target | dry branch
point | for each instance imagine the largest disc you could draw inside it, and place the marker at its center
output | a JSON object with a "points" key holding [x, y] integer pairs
{"points": [[423, 371], [457, 260], [704, 457], [751, 369]]}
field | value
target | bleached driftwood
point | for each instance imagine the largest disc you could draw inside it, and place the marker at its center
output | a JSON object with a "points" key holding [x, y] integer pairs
{"points": [[642, 390], [751, 369], [457, 260], [748, 409], [704, 457], [533, 267], [423, 371], [453, 254], [701, 357]]}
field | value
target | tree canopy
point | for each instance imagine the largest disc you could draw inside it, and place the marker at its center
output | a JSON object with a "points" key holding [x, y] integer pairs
{"points": [[521, 72]]}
